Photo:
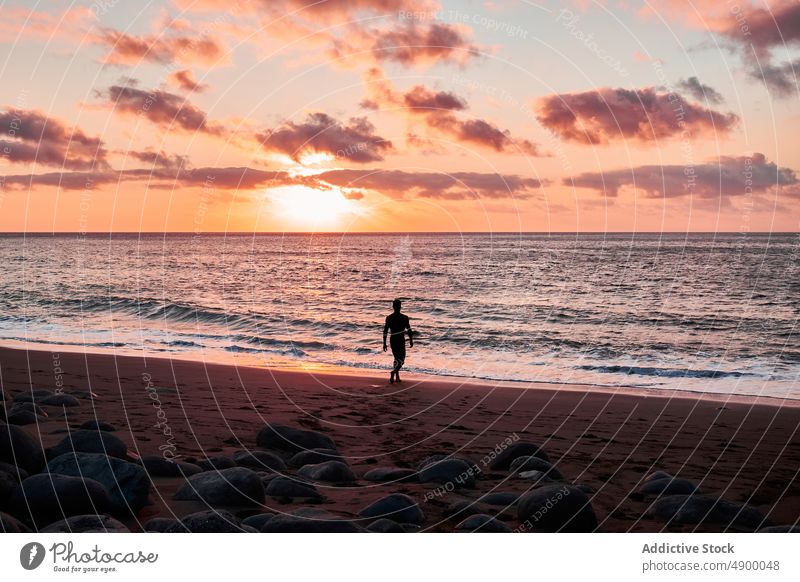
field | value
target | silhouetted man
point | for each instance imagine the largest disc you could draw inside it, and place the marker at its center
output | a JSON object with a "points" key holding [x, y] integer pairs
{"points": [[399, 325]]}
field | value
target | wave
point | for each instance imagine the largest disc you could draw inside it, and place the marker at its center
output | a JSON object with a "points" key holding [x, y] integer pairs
{"points": [[665, 372]]}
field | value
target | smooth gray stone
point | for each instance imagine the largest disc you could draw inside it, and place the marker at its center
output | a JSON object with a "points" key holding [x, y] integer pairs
{"points": [[32, 395], [86, 524], [127, 483], [461, 509], [536, 476], [449, 471], [21, 417], [668, 486], [28, 407], [384, 474], [14, 471], [706, 509], [780, 529], [8, 487], [384, 525], [217, 463], [657, 475], [90, 441], [97, 425], [397, 507], [328, 472], [257, 521], [158, 466], [296, 524], [500, 498], [237, 486], [164, 525], [556, 508], [280, 437], [213, 521], [314, 457], [483, 523], [290, 488], [259, 460], [17, 447], [523, 449], [532, 463], [10, 524], [60, 400], [52, 497]]}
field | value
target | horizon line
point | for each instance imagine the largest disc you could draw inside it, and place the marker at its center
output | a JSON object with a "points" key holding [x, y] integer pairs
{"points": [[361, 232]]}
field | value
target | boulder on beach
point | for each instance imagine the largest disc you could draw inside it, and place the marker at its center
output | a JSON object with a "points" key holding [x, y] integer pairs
{"points": [[384, 525], [504, 459], [28, 407], [483, 523], [158, 466], [280, 437], [237, 486], [398, 507], [50, 497], [62, 399], [286, 487], [705, 509], [556, 508], [533, 463], [21, 417], [90, 441], [14, 471], [217, 463], [780, 529], [314, 457], [19, 448], [461, 509], [164, 525], [451, 472], [8, 486], [328, 472], [384, 474], [258, 520], [537, 477], [10, 524], [97, 425], [32, 395], [500, 498], [259, 460], [668, 486], [213, 521], [127, 483], [287, 523], [86, 524], [657, 475]]}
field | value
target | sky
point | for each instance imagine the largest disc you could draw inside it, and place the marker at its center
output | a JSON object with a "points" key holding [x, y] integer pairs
{"points": [[400, 115]]}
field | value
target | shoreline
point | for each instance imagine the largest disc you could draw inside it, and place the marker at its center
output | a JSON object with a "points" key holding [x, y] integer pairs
{"points": [[373, 374]]}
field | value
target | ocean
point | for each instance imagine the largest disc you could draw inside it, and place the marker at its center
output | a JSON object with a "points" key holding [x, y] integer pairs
{"points": [[714, 313]]}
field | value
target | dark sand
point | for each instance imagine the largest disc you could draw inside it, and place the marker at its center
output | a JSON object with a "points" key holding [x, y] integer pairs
{"points": [[606, 440]]}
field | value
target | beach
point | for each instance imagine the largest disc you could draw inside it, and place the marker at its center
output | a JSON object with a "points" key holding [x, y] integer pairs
{"points": [[604, 443]]}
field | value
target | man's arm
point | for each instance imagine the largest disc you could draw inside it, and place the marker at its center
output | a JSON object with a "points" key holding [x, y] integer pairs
{"points": [[410, 333], [385, 333]]}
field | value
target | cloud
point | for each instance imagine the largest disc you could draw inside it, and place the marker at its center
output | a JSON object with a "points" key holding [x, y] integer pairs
{"points": [[725, 177], [607, 115], [450, 186], [187, 49], [185, 80], [354, 140], [160, 107], [697, 90], [437, 109], [158, 158], [32, 137]]}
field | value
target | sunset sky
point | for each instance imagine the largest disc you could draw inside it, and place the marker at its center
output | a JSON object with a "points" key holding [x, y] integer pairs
{"points": [[400, 115]]}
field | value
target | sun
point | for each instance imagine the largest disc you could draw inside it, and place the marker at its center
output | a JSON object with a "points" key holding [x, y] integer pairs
{"points": [[310, 208]]}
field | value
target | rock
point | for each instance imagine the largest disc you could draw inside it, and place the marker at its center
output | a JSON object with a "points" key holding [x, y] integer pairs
{"points": [[8, 487], [500, 498], [259, 460], [286, 487], [127, 483], [536, 476], [657, 475], [314, 457], [297, 524], [28, 407], [86, 524], [14, 471], [668, 486], [532, 463], [158, 466], [384, 474], [17, 447], [780, 529], [32, 395], [10, 524], [280, 437], [216, 464], [435, 458], [483, 523], [385, 526], [235, 486], [328, 472], [461, 509], [164, 525], [257, 521], [51, 497], [449, 471], [397, 507], [60, 400], [213, 521], [97, 425], [504, 459], [90, 441], [556, 508], [21, 417], [705, 509]]}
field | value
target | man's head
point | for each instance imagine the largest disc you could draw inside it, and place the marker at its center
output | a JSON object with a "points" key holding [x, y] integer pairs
{"points": [[396, 304]]}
